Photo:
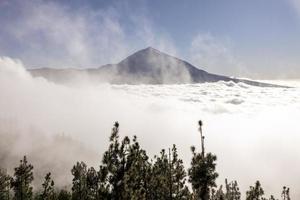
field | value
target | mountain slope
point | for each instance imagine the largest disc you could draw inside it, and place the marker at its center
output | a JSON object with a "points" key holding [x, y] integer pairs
{"points": [[147, 66]]}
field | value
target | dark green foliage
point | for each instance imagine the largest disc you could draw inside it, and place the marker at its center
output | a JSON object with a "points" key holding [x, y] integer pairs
{"points": [[126, 173], [48, 188], [137, 177], [96, 183], [92, 183], [114, 160], [127, 168], [232, 191], [64, 195], [160, 182], [4, 185], [217, 195], [202, 174], [48, 192], [79, 189], [255, 193], [21, 182], [89, 184], [169, 177], [179, 189], [131, 176], [103, 186]]}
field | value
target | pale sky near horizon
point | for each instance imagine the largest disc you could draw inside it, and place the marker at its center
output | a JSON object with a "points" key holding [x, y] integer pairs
{"points": [[257, 38]]}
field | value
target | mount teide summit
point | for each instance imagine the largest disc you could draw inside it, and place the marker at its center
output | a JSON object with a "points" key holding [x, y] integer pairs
{"points": [[147, 66]]}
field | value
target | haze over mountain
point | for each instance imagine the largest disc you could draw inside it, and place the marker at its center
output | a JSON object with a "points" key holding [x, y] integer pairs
{"points": [[147, 66]]}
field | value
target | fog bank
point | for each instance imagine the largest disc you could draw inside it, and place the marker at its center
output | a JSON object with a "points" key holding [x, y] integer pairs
{"points": [[254, 131]]}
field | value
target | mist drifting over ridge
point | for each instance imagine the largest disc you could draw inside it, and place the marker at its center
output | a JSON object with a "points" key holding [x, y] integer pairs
{"points": [[146, 66], [243, 123], [254, 131], [72, 34]]}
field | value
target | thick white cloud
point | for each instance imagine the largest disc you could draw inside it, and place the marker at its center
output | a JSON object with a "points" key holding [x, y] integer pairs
{"points": [[253, 130]]}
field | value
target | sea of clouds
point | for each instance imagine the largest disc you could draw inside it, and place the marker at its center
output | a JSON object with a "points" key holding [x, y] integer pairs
{"points": [[254, 131]]}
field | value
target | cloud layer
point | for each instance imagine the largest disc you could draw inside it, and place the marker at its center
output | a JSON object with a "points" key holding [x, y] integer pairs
{"points": [[253, 130]]}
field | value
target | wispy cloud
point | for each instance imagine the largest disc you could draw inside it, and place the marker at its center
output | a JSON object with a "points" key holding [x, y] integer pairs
{"points": [[296, 5], [151, 37], [209, 53], [55, 35], [45, 33]]}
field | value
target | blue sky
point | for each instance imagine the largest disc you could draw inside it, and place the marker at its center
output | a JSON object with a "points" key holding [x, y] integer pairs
{"points": [[257, 38]]}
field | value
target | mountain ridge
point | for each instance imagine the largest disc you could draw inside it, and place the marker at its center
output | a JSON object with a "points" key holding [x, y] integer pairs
{"points": [[146, 66]]}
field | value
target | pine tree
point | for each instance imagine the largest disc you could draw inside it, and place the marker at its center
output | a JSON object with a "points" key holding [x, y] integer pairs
{"points": [[285, 193], [272, 198], [21, 182], [218, 195], [202, 174], [48, 192], [79, 188], [115, 161], [4, 185], [160, 181], [169, 177], [92, 181], [137, 177], [64, 195], [103, 189], [126, 173], [179, 190], [232, 191], [255, 193]]}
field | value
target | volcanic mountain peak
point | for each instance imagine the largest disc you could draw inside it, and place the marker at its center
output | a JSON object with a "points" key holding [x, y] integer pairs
{"points": [[151, 53], [150, 50], [147, 66]]}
